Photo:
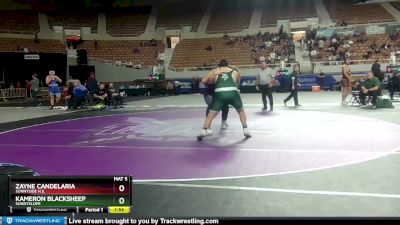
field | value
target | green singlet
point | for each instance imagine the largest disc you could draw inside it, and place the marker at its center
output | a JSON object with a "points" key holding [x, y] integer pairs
{"points": [[226, 93]]}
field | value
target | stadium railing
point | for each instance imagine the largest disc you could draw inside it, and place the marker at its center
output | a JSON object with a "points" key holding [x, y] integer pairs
{"points": [[13, 93], [200, 68], [332, 63]]}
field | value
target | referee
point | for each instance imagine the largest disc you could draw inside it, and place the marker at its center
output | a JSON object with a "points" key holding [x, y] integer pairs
{"points": [[265, 82]]}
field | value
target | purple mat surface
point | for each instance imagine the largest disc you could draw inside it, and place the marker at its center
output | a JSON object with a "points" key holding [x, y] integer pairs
{"points": [[161, 145]]}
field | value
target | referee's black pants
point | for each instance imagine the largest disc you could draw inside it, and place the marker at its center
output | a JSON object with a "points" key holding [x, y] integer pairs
{"points": [[266, 91]]}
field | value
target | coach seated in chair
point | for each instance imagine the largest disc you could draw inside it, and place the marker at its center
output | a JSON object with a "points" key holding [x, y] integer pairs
{"points": [[116, 98], [370, 87], [103, 96]]}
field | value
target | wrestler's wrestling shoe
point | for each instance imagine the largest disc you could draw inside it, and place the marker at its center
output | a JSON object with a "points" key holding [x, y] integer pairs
{"points": [[224, 125], [204, 133], [246, 133]]}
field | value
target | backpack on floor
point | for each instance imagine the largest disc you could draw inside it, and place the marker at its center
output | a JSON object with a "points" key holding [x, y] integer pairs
{"points": [[384, 103]]}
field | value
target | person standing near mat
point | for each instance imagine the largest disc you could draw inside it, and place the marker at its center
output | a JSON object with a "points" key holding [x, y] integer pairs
{"points": [[264, 83], [52, 80], [293, 87], [226, 82], [346, 83]]}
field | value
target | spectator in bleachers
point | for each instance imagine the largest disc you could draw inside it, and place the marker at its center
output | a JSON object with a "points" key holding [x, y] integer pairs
{"points": [[371, 87], [11, 86], [161, 58], [153, 42], [138, 66], [136, 50], [95, 44], [129, 64], [36, 39], [343, 24], [209, 48]]}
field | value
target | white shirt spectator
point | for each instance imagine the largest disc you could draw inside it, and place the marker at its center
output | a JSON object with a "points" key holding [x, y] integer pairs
{"points": [[161, 57], [314, 53], [334, 40], [392, 58], [282, 64], [346, 46], [351, 42], [348, 55], [262, 59], [321, 44], [138, 66], [272, 55]]}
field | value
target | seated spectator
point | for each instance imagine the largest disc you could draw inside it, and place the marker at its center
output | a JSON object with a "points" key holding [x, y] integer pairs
{"points": [[102, 95], [371, 87], [36, 39], [153, 42], [161, 58], [116, 98], [138, 66], [136, 50], [170, 88], [321, 44], [177, 86], [394, 85], [209, 48], [129, 64], [79, 94], [11, 86]]}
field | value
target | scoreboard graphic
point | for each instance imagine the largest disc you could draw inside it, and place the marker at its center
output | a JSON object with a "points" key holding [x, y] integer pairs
{"points": [[70, 194]]}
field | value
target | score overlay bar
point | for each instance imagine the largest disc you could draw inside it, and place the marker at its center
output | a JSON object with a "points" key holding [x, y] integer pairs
{"points": [[67, 192]]}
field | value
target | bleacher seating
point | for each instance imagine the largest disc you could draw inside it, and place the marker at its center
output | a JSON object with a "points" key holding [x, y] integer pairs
{"points": [[74, 20], [44, 45], [343, 10], [19, 21], [230, 16], [127, 22], [292, 10], [173, 15], [193, 53], [358, 50], [123, 51]]}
